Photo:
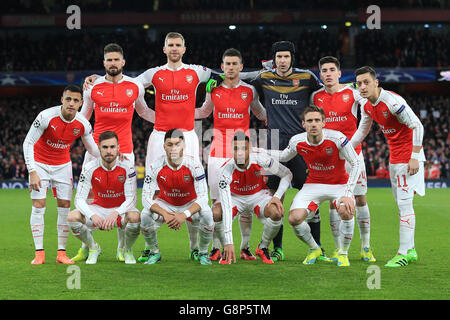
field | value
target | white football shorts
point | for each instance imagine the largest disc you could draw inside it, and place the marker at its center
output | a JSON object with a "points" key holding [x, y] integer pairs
{"points": [[58, 176], [104, 213], [312, 195], [404, 186]]}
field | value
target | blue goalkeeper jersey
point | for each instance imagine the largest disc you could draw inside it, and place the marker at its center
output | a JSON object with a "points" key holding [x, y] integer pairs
{"points": [[285, 98]]}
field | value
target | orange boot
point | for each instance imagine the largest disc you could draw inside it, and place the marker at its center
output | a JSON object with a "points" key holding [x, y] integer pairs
{"points": [[62, 258], [39, 257]]}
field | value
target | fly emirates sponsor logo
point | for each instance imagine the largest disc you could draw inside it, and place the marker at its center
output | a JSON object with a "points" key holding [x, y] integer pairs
{"points": [[284, 100], [174, 95], [246, 188], [320, 167], [176, 193], [110, 194], [58, 145], [334, 117], [230, 114], [114, 107], [387, 130]]}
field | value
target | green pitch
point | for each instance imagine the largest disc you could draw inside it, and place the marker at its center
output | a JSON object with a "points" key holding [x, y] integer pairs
{"points": [[177, 278]]}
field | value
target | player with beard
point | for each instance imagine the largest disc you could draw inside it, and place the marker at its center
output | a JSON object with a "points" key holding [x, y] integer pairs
{"points": [[113, 183], [113, 99]]}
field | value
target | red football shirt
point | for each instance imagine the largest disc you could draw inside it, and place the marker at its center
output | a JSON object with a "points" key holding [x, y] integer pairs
{"points": [[175, 92], [340, 110]]}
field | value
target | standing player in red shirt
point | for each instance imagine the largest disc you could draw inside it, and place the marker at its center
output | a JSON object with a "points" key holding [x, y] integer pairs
{"points": [[175, 86], [113, 183], [113, 98], [404, 133], [47, 156], [231, 103], [325, 152], [340, 104], [183, 196], [243, 192]]}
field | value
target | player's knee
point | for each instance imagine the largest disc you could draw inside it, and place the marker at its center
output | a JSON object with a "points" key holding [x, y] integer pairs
{"points": [[346, 215], [361, 200], [63, 203], [38, 203], [133, 217], [146, 220], [274, 214], [296, 216], [74, 216]]}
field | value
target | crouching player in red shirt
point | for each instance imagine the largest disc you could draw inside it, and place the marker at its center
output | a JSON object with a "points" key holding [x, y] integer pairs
{"points": [[243, 191], [325, 152], [113, 183], [183, 196]]}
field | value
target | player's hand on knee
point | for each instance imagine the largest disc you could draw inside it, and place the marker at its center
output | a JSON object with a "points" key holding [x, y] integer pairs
{"points": [[178, 220], [278, 205], [110, 221], [35, 181], [346, 206], [228, 254], [169, 218], [97, 221]]}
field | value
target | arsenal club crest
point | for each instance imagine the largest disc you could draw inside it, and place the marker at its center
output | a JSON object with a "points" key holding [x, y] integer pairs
{"points": [[244, 95], [329, 151], [121, 178], [345, 97], [186, 178], [76, 131], [129, 92], [189, 78], [385, 114], [295, 82]]}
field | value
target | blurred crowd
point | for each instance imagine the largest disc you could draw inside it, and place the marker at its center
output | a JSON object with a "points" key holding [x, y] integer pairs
{"points": [[59, 6], [402, 48], [59, 51], [23, 52], [432, 110]]}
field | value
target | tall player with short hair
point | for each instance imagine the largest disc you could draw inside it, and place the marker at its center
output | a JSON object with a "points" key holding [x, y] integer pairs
{"points": [[113, 183], [404, 133], [243, 192], [231, 103], [340, 104], [113, 98], [325, 152], [47, 156], [183, 196]]}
